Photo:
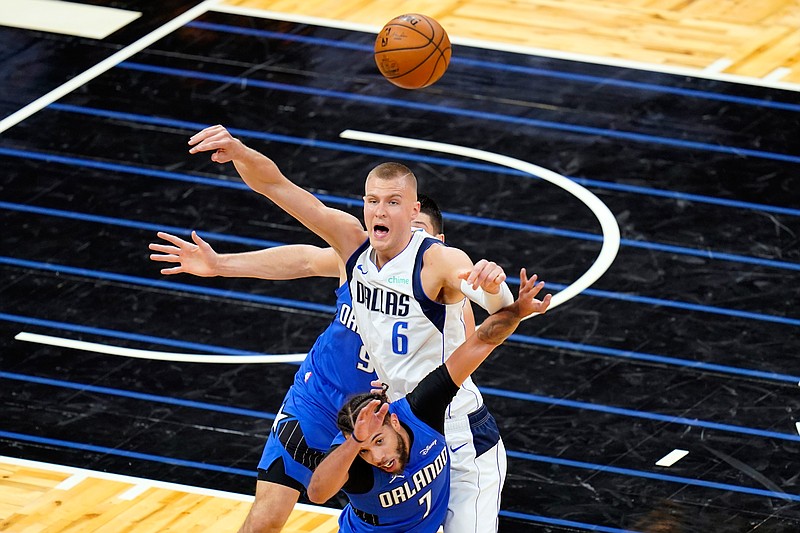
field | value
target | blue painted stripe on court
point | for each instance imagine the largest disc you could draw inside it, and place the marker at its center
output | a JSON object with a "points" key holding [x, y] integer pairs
{"points": [[653, 358], [566, 523], [517, 226], [394, 154], [483, 115], [124, 453], [572, 404], [114, 334], [83, 387], [596, 81], [517, 455], [54, 267], [183, 287], [694, 422], [652, 475], [524, 339]]}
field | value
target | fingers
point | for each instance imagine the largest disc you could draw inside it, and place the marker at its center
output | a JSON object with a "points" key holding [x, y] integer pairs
{"points": [[545, 303], [381, 414], [485, 272], [205, 133], [173, 270], [378, 387], [177, 241], [165, 258], [163, 248], [197, 239]]}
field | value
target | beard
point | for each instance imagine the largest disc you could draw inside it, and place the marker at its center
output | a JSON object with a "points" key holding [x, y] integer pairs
{"points": [[402, 454]]}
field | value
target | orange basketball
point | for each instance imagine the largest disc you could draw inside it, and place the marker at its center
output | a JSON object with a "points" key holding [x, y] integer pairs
{"points": [[412, 51]]}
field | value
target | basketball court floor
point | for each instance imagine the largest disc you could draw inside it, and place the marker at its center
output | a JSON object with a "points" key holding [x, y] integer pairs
{"points": [[661, 394]]}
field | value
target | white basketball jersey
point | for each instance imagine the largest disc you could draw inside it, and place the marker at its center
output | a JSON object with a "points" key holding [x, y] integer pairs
{"points": [[406, 334]]}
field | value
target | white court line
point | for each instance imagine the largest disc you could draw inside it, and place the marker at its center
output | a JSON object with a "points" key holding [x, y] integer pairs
{"points": [[151, 483], [777, 74], [71, 481], [608, 223], [718, 66], [134, 492], [517, 49], [69, 18], [156, 356], [672, 457], [107, 64]]}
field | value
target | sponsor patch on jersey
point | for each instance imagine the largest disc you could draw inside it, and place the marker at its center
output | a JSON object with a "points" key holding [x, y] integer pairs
{"points": [[427, 448]]}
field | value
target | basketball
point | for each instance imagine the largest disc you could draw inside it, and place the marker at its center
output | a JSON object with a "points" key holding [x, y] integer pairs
{"points": [[412, 51]]}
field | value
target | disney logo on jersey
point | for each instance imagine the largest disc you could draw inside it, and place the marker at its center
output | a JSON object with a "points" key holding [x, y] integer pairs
{"points": [[427, 448], [382, 301]]}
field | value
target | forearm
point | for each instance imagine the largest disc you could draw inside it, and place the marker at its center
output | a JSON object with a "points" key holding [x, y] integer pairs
{"points": [[492, 303], [341, 230], [332, 473], [499, 326], [279, 263], [469, 356]]}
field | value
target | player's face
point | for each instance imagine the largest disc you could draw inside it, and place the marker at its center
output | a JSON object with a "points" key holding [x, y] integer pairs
{"points": [[423, 221], [389, 208], [386, 450]]}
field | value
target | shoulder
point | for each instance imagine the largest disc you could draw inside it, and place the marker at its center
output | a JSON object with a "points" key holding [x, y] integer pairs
{"points": [[446, 257]]}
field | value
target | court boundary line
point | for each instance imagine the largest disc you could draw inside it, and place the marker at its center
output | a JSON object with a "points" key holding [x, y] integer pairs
{"points": [[150, 483], [516, 49], [105, 65]]}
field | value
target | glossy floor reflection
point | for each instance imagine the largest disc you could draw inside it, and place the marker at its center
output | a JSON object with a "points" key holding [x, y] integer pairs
{"points": [[690, 340]]}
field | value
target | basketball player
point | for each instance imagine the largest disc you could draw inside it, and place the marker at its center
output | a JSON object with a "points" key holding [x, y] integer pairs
{"points": [[408, 299], [336, 367], [392, 460]]}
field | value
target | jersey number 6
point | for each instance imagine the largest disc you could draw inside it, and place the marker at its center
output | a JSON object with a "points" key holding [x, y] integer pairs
{"points": [[399, 341]]}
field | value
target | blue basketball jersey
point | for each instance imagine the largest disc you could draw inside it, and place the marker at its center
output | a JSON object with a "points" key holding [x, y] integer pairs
{"points": [[337, 367], [415, 500]]}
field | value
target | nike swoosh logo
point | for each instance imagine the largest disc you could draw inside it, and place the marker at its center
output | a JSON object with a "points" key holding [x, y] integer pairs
{"points": [[362, 269], [454, 450]]}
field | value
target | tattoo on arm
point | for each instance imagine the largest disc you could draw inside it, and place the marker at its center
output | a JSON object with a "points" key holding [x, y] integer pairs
{"points": [[499, 326]]}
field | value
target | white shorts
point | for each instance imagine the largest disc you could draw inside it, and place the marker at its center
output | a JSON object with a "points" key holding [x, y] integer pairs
{"points": [[477, 473]]}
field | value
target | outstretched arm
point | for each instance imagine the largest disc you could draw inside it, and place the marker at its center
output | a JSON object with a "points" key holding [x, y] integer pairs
{"points": [[280, 263], [496, 329], [341, 230], [449, 275], [332, 473]]}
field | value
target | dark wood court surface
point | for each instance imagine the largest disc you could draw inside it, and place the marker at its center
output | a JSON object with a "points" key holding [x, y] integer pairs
{"points": [[690, 341]]}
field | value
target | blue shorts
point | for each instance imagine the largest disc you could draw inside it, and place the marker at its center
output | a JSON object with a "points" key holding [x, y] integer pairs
{"points": [[298, 441]]}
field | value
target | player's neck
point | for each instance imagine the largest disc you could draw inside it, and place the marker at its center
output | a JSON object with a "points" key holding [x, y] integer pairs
{"points": [[384, 255]]}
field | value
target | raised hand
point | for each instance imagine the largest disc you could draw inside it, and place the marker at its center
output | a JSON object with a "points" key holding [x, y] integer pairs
{"points": [[487, 275], [225, 146], [528, 290], [370, 420], [199, 258]]}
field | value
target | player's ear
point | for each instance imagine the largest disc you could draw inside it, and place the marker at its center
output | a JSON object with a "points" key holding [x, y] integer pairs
{"points": [[440, 236], [394, 421]]}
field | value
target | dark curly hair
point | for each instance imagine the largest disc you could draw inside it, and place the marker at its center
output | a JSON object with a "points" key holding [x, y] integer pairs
{"points": [[348, 414]]}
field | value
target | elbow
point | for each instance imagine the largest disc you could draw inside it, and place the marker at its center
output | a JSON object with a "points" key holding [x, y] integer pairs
{"points": [[314, 493]]}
